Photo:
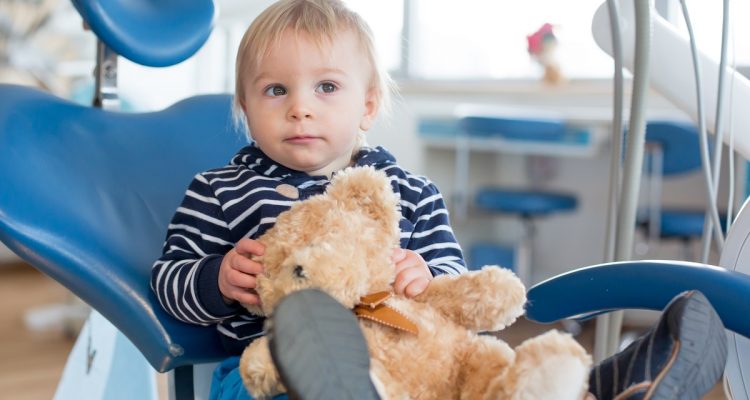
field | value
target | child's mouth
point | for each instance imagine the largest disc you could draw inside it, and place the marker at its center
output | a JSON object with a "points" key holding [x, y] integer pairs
{"points": [[302, 139]]}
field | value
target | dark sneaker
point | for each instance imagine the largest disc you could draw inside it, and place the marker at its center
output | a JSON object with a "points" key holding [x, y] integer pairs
{"points": [[319, 350], [682, 357]]}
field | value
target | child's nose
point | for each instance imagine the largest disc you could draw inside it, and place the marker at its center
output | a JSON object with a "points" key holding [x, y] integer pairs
{"points": [[299, 109]]}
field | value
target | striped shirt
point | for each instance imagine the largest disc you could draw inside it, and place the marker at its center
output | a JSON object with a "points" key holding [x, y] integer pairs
{"points": [[223, 205]]}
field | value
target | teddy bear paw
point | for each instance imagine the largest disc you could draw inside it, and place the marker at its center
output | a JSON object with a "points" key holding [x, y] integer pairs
{"points": [[258, 373]]}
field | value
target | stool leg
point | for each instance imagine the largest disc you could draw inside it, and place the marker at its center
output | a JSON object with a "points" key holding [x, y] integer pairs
{"points": [[525, 250], [687, 251]]}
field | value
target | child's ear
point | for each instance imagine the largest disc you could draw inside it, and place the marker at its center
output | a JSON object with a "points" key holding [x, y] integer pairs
{"points": [[243, 106], [372, 102]]}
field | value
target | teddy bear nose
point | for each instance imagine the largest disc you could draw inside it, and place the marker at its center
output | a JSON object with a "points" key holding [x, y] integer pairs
{"points": [[299, 272]]}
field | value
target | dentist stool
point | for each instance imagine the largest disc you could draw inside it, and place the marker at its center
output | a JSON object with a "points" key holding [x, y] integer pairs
{"points": [[672, 150], [528, 204]]}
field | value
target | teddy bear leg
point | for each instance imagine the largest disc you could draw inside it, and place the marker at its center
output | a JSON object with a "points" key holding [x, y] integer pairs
{"points": [[549, 366], [486, 358], [388, 387], [258, 373]]}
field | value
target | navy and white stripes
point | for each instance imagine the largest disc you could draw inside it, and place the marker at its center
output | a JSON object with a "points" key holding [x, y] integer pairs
{"points": [[224, 205]]}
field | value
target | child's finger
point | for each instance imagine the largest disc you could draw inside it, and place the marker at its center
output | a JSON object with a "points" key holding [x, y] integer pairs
{"points": [[247, 266], [249, 247], [416, 287], [404, 278], [402, 265], [248, 297], [243, 281], [398, 255]]}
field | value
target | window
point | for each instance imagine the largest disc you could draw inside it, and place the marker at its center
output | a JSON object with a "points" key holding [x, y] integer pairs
{"points": [[705, 16], [483, 40], [385, 18], [480, 39]]}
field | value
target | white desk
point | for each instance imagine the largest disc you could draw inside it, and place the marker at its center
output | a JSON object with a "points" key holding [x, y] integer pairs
{"points": [[597, 121]]}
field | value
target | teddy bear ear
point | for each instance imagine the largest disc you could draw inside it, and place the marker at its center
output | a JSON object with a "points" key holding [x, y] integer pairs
{"points": [[367, 189]]}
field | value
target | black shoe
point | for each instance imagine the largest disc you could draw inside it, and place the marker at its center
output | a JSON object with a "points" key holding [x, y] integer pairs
{"points": [[682, 357], [319, 350]]}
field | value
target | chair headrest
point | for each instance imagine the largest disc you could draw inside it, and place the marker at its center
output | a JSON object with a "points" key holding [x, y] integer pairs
{"points": [[147, 32]]}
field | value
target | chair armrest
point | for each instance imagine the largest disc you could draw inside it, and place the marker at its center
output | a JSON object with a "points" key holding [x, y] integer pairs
{"points": [[640, 284]]}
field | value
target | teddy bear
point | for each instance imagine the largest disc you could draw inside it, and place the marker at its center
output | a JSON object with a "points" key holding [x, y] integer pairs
{"points": [[341, 242]]}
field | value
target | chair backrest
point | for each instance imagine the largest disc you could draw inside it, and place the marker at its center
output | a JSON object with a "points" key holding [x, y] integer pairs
{"points": [[679, 143], [87, 195]]}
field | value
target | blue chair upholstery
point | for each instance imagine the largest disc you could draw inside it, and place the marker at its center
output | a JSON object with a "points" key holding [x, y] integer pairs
{"points": [[148, 32], [608, 287], [87, 196], [91, 192]]}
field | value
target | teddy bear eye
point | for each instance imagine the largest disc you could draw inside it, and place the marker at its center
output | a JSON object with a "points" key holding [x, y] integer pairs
{"points": [[299, 271]]}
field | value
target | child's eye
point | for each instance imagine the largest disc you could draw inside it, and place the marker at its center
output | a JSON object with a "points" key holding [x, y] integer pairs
{"points": [[275, 90], [326, 87]]}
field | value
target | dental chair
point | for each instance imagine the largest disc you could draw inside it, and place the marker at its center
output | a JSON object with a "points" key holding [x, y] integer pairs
{"points": [[87, 193]]}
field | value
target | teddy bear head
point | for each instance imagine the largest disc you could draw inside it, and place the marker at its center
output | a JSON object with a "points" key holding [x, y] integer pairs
{"points": [[340, 241]]}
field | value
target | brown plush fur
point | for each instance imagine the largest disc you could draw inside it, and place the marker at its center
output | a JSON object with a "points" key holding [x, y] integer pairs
{"points": [[343, 240]]}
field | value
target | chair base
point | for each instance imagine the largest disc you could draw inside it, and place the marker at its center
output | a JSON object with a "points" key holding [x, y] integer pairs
{"points": [[104, 364]]}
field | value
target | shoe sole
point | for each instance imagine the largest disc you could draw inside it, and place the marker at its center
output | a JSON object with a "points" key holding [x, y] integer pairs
{"points": [[319, 350], [700, 354]]}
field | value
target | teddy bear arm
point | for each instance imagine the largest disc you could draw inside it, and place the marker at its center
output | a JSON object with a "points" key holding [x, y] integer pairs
{"points": [[258, 373], [485, 300]]}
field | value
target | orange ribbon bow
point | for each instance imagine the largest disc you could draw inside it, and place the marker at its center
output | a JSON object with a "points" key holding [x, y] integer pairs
{"points": [[374, 308]]}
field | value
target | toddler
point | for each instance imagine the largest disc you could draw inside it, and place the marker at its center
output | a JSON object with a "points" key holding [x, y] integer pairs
{"points": [[307, 87]]}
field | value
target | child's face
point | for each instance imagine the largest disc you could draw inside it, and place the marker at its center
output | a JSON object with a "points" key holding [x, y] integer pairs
{"points": [[306, 103]]}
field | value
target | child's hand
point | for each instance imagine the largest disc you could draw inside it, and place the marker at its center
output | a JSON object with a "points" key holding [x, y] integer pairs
{"points": [[237, 272], [412, 273]]}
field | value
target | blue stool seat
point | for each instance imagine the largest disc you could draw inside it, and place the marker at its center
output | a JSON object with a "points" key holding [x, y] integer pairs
{"points": [[682, 223], [152, 33], [527, 203], [481, 254]]}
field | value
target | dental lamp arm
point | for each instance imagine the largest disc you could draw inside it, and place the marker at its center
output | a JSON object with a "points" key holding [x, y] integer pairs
{"points": [[671, 71]]}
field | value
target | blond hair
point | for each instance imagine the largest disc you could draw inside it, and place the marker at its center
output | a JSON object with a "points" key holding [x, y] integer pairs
{"points": [[321, 20]]}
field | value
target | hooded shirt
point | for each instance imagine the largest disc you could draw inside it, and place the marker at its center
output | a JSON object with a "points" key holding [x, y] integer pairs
{"points": [[242, 200]]}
